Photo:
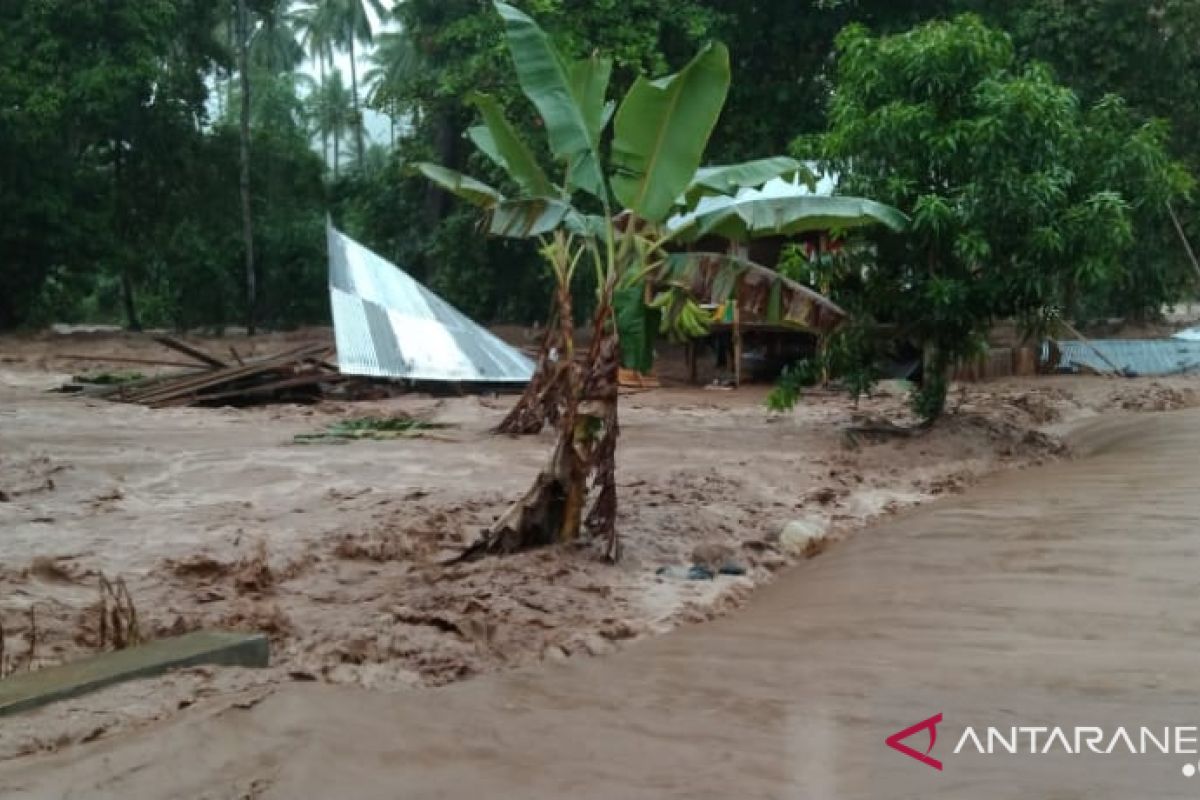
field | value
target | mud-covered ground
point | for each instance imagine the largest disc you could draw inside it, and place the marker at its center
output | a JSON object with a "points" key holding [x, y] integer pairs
{"points": [[218, 518]]}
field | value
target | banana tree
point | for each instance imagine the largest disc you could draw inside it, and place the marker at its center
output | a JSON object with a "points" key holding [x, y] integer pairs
{"points": [[605, 214]]}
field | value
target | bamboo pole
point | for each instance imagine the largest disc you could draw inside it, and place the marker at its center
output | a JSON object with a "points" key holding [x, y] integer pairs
{"points": [[1116, 371], [1183, 238]]}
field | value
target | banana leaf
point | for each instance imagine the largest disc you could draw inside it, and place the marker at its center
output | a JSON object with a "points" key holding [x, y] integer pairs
{"points": [[637, 327], [570, 98], [500, 141], [759, 291], [464, 186], [753, 215], [727, 179], [529, 216], [661, 130], [589, 83]]}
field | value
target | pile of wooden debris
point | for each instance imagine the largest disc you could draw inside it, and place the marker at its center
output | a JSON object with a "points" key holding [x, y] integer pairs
{"points": [[300, 375]]}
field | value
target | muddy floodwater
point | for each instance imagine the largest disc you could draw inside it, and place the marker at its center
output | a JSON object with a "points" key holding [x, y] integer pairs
{"points": [[1062, 595]]}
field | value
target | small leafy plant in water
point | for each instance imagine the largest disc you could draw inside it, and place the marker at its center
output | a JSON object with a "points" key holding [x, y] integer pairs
{"points": [[369, 428], [109, 378], [848, 357], [791, 384]]}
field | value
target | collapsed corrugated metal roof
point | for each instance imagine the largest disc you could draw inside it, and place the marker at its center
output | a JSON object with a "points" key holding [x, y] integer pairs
{"points": [[388, 325], [1148, 357]]}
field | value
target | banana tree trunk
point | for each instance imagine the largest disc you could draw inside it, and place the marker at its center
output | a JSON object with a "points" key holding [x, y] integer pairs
{"points": [[552, 511], [542, 401], [601, 390]]}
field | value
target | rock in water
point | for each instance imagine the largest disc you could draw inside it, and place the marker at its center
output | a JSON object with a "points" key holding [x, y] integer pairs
{"points": [[712, 556], [801, 537]]}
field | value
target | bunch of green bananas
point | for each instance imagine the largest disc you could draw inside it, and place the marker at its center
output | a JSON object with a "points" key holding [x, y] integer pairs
{"points": [[682, 318]]}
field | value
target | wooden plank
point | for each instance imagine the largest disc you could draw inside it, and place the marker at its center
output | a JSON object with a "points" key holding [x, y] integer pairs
{"points": [[294, 382], [185, 384], [188, 350], [29, 690], [154, 362], [218, 377]]}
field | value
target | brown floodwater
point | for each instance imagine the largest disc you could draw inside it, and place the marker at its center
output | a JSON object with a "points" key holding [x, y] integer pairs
{"points": [[1065, 595]]}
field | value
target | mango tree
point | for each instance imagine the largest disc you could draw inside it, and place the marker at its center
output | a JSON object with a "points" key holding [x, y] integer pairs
{"points": [[607, 214]]}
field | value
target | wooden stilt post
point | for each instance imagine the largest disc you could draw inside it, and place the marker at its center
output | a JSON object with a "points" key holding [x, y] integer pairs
{"points": [[822, 341], [737, 344]]}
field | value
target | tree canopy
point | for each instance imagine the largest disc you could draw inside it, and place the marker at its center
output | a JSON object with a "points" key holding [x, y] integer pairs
{"points": [[119, 151], [1023, 199]]}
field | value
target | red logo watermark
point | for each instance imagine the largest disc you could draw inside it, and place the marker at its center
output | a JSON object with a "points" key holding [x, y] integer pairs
{"points": [[896, 741]]}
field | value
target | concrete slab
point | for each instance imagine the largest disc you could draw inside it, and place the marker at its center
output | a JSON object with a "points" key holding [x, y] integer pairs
{"points": [[29, 690]]}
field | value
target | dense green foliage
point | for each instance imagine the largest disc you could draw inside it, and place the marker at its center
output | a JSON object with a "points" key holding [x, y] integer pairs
{"points": [[119, 155], [118, 199], [1024, 202]]}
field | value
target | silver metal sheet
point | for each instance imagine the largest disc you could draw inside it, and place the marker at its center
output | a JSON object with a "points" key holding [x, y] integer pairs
{"points": [[388, 325], [1131, 356]]}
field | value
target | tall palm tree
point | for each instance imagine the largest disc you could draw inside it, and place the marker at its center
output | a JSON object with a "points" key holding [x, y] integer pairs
{"points": [[273, 44], [393, 62], [330, 108], [315, 23], [225, 34], [276, 105], [354, 26]]}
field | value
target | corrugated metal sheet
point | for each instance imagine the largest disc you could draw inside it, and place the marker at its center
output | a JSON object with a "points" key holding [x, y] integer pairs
{"points": [[389, 326], [1130, 356]]}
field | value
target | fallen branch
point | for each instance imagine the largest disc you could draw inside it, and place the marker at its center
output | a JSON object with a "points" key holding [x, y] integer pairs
{"points": [[1116, 371], [188, 350]]}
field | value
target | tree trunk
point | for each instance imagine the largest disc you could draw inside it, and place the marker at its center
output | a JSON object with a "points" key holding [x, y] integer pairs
{"points": [[234, 26], [132, 322], [244, 176], [324, 128], [602, 392], [128, 300], [445, 137], [542, 402], [552, 510], [358, 122]]}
